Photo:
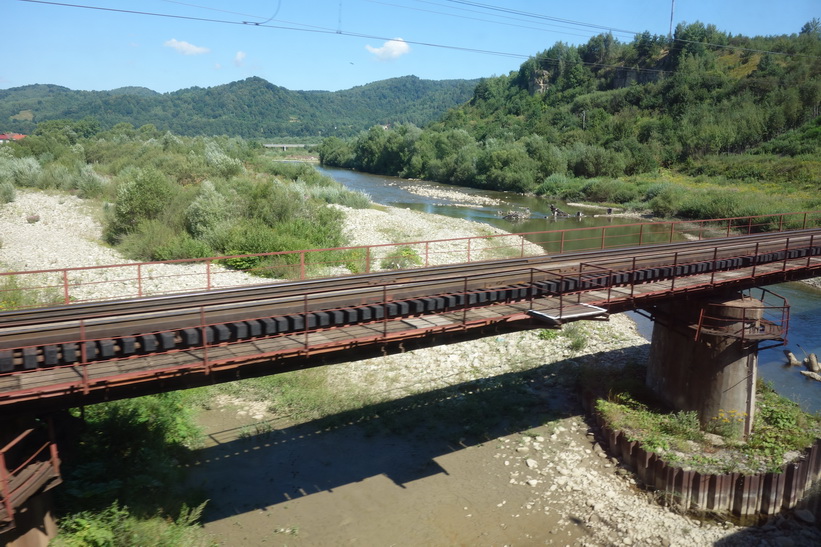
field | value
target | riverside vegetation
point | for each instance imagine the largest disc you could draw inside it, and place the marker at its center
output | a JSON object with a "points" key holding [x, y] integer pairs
{"points": [[781, 430], [700, 125]]}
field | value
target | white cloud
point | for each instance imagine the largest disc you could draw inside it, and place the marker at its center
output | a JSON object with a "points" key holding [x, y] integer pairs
{"points": [[185, 48], [239, 58], [391, 49], [217, 66]]}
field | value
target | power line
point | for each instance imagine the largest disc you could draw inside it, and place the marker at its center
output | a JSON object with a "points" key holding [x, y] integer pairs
{"points": [[501, 9], [496, 22], [322, 30], [633, 32], [306, 28]]}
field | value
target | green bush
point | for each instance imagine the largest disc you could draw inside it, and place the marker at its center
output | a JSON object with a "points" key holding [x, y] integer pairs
{"points": [[129, 450], [90, 185], [7, 192], [143, 242], [664, 199], [56, 176], [26, 172], [182, 246], [116, 526], [401, 259], [142, 194], [208, 210], [553, 185], [15, 295], [610, 191]]}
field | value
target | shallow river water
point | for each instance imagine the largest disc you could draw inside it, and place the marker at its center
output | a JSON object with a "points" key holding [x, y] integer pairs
{"points": [[486, 206]]}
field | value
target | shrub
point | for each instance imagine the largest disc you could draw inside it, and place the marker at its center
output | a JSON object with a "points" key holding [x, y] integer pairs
{"points": [[142, 242], [664, 199], [224, 165], [553, 185], [7, 192], [56, 176], [14, 295], [90, 185], [141, 195], [182, 246], [401, 259], [594, 161], [207, 211], [26, 172], [118, 526], [610, 191], [129, 450]]}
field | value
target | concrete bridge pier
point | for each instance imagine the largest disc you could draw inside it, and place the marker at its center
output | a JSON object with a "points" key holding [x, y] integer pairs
{"points": [[704, 356]]}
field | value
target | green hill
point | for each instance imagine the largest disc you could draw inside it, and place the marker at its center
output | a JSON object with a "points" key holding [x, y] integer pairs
{"points": [[703, 103], [251, 108]]}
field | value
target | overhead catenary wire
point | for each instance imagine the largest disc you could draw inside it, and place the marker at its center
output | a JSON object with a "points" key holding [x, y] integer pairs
{"points": [[319, 30], [300, 27]]}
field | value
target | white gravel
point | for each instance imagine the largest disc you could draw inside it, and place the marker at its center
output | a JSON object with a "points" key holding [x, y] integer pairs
{"points": [[67, 234]]}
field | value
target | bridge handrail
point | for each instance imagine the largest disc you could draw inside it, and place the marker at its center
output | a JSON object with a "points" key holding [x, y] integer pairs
{"points": [[10, 468], [61, 280], [589, 276]]}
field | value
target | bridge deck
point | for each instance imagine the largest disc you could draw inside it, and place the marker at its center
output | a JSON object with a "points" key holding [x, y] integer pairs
{"points": [[49, 382]]}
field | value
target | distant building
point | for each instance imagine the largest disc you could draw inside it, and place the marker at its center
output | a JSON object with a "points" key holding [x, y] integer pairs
{"points": [[8, 137]]}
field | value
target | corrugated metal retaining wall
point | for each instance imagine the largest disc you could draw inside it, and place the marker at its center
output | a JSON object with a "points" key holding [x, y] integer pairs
{"points": [[741, 495]]}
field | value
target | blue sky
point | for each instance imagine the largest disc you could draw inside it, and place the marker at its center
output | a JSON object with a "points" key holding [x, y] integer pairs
{"points": [[331, 44]]}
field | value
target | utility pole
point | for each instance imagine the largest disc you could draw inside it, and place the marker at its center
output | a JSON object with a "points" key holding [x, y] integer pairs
{"points": [[672, 11]]}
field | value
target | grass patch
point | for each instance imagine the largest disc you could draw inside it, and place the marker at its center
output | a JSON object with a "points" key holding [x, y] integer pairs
{"points": [[300, 395], [117, 526], [780, 428], [15, 296], [122, 472], [401, 259]]}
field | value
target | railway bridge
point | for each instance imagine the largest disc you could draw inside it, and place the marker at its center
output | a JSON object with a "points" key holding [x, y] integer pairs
{"points": [[80, 353]]}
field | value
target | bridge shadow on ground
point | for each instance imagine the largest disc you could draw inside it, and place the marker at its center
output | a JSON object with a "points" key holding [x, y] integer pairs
{"points": [[253, 467]]}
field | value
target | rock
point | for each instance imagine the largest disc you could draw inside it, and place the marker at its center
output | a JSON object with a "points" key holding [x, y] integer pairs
{"points": [[793, 360], [811, 362], [813, 375], [804, 516], [532, 464], [713, 439]]}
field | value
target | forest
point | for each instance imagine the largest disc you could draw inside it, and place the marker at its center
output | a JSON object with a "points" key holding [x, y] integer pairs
{"points": [[251, 108], [734, 118]]}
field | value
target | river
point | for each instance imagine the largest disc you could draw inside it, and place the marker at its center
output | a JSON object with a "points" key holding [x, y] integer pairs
{"points": [[805, 302]]}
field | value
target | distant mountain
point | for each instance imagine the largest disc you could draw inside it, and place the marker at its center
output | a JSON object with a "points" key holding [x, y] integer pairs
{"points": [[249, 108], [134, 90]]}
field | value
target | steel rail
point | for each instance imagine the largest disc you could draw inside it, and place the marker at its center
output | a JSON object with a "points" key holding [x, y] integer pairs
{"points": [[158, 314], [295, 288]]}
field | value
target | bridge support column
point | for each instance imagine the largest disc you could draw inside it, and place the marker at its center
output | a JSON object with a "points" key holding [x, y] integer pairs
{"points": [[35, 525], [701, 361]]}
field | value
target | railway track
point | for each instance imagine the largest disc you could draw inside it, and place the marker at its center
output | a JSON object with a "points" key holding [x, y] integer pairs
{"points": [[85, 333]]}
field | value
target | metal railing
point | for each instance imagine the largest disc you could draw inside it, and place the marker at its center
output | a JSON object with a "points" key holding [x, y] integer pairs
{"points": [[768, 320], [565, 288], [37, 288], [30, 447]]}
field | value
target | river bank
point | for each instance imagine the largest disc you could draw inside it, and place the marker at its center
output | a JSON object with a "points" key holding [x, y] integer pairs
{"points": [[486, 443]]}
